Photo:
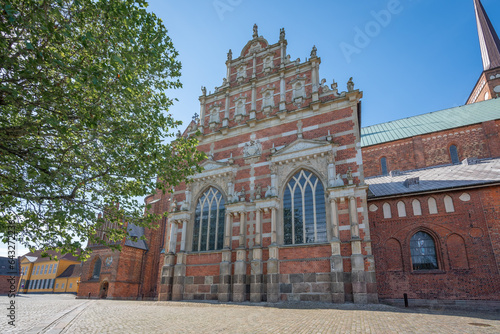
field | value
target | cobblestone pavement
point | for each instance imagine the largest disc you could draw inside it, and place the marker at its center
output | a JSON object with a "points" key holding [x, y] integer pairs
{"points": [[65, 314]]}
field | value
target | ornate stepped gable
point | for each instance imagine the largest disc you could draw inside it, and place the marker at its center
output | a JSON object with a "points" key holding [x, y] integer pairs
{"points": [[282, 189]]}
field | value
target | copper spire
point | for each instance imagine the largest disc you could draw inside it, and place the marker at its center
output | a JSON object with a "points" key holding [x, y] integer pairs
{"points": [[488, 38]]}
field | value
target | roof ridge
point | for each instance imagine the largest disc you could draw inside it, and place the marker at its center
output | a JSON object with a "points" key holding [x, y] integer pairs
{"points": [[428, 113]]}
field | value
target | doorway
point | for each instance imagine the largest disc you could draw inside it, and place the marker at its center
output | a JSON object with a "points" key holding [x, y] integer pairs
{"points": [[104, 290]]}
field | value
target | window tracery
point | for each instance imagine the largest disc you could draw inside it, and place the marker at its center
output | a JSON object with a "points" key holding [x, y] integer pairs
{"points": [[304, 213]]}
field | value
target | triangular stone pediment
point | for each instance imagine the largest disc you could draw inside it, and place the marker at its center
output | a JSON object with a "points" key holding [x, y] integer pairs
{"points": [[302, 145], [211, 164]]}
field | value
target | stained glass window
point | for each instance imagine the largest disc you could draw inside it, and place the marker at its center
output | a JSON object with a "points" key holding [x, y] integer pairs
{"points": [[304, 213], [97, 269], [208, 229], [423, 252]]}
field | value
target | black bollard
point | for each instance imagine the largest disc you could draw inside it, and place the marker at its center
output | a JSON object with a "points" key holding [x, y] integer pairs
{"points": [[406, 299], [89, 295]]}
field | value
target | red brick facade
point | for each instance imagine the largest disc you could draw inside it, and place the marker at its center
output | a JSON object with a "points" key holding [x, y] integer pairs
{"points": [[268, 125], [271, 120]]}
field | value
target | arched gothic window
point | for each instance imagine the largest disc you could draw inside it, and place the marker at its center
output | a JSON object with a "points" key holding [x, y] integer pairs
{"points": [[423, 252], [208, 230], [304, 213], [454, 155], [97, 269], [383, 165]]}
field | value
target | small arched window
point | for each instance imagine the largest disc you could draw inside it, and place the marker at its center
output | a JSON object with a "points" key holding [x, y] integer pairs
{"points": [[383, 165], [454, 155], [97, 269], [387, 210], [208, 230], [304, 213], [401, 209], [423, 252], [431, 202], [448, 204], [417, 209]]}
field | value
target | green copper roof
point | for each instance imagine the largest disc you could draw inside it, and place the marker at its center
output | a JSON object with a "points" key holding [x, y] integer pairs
{"points": [[431, 122]]}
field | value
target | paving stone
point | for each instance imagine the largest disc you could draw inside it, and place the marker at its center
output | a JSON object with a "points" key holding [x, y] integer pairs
{"points": [[65, 314]]}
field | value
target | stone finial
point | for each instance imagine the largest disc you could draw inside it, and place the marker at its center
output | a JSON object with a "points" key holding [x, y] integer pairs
{"points": [[350, 85], [299, 129], [196, 117], [242, 194], [282, 34], [258, 191], [255, 31], [349, 176], [230, 55], [314, 51], [179, 134], [204, 90], [335, 88]]}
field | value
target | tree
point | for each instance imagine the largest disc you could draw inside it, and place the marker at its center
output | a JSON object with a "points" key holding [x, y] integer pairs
{"points": [[84, 120]]}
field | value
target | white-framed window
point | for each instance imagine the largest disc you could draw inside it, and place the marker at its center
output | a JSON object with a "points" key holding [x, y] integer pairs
{"points": [[62, 285], [208, 228], [57, 285], [55, 268], [46, 269], [50, 269], [304, 211], [70, 285]]}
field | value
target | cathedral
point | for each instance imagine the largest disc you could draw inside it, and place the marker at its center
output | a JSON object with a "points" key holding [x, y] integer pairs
{"points": [[297, 202]]}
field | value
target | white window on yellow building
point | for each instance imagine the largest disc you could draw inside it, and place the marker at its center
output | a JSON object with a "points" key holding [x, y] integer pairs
{"points": [[55, 268], [46, 268], [57, 285], [50, 269], [70, 285], [62, 285]]}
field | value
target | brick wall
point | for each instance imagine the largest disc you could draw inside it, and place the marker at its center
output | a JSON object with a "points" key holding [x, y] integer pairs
{"points": [[465, 246], [474, 141]]}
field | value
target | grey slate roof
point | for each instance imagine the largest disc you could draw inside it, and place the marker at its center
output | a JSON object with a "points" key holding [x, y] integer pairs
{"points": [[135, 233], [7, 269], [486, 171], [68, 272], [431, 122]]}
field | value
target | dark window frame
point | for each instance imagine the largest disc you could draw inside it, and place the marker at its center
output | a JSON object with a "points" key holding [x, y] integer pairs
{"points": [[453, 151], [383, 166]]}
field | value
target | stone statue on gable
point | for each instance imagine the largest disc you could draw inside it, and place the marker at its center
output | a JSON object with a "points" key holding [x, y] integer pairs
{"points": [[350, 85]]}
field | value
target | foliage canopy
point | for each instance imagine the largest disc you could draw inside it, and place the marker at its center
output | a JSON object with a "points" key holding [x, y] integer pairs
{"points": [[84, 120]]}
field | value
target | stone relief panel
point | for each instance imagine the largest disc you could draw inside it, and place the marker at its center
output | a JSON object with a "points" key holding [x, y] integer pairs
{"points": [[214, 114], [239, 104], [253, 148]]}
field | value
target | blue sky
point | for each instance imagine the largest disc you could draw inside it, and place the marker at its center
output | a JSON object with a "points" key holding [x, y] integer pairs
{"points": [[425, 58]]}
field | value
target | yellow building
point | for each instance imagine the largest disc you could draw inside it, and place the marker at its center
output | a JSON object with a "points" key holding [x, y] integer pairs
{"points": [[38, 274], [69, 280]]}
